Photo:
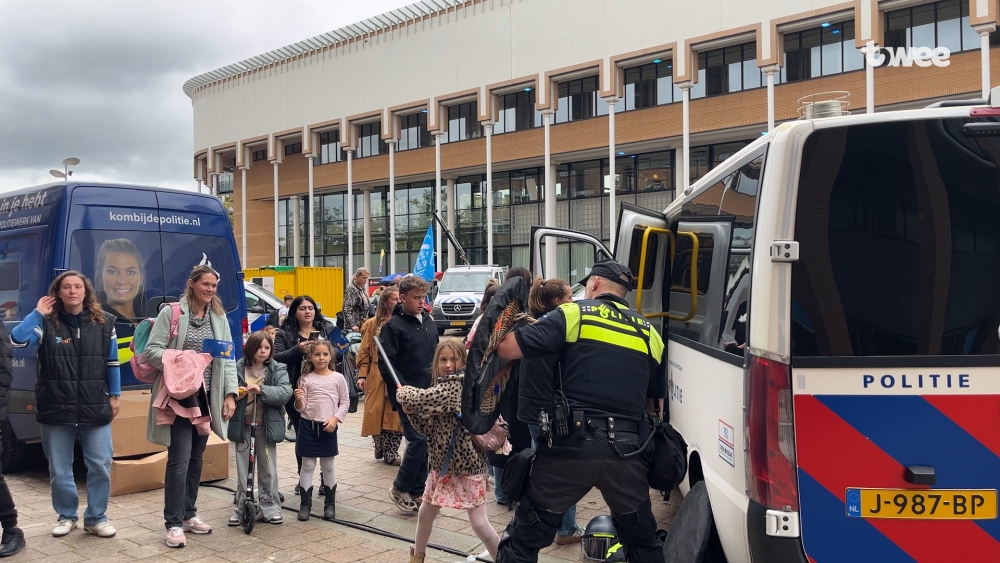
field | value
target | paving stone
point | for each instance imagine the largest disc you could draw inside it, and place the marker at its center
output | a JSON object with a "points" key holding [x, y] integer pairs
{"points": [[362, 497]]}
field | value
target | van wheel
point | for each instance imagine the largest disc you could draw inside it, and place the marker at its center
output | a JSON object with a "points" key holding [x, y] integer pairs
{"points": [[14, 454], [692, 536]]}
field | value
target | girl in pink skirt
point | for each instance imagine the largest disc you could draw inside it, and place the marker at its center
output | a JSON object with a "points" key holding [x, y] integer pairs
{"points": [[457, 470]]}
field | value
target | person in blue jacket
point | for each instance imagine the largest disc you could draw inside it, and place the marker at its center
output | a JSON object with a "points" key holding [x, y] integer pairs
{"points": [[77, 395]]}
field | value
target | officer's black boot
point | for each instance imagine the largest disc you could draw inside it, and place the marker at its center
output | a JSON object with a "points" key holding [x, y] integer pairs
{"points": [[330, 504], [305, 504], [523, 540], [637, 532]]}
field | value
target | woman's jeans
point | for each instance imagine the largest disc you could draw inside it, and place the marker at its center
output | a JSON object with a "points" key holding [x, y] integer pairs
{"points": [[59, 442], [568, 525], [183, 476]]}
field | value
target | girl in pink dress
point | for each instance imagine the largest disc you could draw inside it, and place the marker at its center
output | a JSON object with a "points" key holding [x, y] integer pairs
{"points": [[457, 470]]}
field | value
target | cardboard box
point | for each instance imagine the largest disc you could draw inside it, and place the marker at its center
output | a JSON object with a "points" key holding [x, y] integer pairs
{"points": [[128, 429], [146, 473], [136, 475], [216, 461]]}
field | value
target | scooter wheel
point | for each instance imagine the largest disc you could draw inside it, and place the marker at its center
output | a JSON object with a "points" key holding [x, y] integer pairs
{"points": [[249, 516]]}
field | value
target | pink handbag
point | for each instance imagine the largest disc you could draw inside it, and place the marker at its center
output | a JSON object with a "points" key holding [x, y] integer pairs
{"points": [[184, 372]]}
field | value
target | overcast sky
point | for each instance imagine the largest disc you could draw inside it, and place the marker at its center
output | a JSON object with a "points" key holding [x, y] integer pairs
{"points": [[101, 79]]}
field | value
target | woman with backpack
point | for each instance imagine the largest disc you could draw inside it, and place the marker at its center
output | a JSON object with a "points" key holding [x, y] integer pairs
{"points": [[202, 326], [77, 394]]}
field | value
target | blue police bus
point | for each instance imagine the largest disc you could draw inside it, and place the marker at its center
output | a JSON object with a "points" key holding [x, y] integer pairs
{"points": [[137, 244]]}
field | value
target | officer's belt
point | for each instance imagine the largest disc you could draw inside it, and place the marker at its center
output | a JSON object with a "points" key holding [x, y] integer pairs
{"points": [[621, 425]]}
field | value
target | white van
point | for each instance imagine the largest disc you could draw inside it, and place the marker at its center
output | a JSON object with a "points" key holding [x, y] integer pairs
{"points": [[829, 298], [260, 304], [460, 293]]}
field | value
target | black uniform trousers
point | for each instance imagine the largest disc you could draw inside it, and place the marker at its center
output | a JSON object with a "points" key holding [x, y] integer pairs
{"points": [[557, 483]]}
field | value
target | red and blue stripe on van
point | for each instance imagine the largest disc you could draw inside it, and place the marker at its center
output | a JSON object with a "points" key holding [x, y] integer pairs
{"points": [[855, 441]]}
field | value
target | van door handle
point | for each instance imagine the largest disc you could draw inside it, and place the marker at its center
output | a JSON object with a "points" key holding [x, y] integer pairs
{"points": [[920, 475]]}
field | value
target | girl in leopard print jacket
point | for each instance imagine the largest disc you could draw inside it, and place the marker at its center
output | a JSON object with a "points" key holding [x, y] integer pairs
{"points": [[458, 480]]}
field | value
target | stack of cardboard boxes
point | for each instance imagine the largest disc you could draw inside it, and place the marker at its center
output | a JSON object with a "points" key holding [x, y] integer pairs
{"points": [[139, 465]]}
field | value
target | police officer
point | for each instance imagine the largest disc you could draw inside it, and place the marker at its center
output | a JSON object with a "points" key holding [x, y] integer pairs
{"points": [[611, 372]]}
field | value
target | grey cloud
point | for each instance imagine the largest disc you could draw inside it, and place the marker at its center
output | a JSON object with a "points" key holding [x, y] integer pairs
{"points": [[101, 80]]}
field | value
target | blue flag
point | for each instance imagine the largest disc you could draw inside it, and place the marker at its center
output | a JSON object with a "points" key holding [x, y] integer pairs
{"points": [[425, 260]]}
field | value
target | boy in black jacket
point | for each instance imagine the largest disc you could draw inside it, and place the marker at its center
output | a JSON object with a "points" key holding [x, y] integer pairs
{"points": [[409, 339], [13, 538]]}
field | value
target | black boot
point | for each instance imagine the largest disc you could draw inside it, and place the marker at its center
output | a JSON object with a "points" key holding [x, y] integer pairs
{"points": [[330, 506], [12, 542], [305, 504]]}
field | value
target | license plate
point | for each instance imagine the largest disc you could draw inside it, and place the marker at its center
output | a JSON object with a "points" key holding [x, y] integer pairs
{"points": [[923, 504], [457, 323]]}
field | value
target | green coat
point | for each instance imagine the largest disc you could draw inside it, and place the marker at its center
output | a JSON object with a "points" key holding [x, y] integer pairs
{"points": [[274, 393], [223, 371]]}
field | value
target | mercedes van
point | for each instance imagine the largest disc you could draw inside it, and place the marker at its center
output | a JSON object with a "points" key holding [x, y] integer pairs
{"points": [[828, 296], [459, 294]]}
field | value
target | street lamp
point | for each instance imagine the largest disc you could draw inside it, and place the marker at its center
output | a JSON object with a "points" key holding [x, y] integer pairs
{"points": [[66, 173]]}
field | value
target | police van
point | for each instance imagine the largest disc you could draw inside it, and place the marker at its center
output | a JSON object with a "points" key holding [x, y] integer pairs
{"points": [[260, 304], [137, 245], [829, 298]]}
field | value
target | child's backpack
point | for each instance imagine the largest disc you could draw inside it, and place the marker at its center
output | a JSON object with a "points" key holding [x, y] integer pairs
{"points": [[141, 368]]}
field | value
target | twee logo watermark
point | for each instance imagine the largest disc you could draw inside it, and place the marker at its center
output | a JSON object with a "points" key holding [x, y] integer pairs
{"points": [[907, 56]]}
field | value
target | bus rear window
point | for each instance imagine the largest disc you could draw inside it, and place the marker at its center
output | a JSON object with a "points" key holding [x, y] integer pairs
{"points": [[899, 240]]}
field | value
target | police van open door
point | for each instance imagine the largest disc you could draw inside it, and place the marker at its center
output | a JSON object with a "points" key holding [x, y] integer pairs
{"points": [[579, 250]]}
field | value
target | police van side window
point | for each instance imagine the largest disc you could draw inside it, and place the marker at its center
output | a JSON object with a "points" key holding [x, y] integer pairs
{"points": [[899, 242], [19, 270], [733, 200]]}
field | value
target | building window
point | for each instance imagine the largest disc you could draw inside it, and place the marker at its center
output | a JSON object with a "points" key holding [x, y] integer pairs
{"points": [[655, 171], [941, 24], [286, 232], [224, 183], [707, 157], [413, 132], [329, 148], [649, 85], [463, 123], [260, 155], [293, 148], [725, 70], [828, 49], [517, 112], [579, 99], [370, 140]]}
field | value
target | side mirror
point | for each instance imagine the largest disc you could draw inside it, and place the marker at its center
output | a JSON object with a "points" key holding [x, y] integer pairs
{"points": [[257, 309]]}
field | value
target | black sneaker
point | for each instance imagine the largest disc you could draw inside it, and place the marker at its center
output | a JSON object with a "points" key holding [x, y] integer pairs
{"points": [[12, 542]]}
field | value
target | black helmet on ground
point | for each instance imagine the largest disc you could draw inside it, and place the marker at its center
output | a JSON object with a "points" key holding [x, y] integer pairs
{"points": [[599, 536]]}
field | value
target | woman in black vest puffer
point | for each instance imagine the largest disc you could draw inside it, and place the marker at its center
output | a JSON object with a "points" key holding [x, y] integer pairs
{"points": [[76, 393]]}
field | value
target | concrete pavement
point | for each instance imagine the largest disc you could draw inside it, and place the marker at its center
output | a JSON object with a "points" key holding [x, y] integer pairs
{"points": [[362, 497]]}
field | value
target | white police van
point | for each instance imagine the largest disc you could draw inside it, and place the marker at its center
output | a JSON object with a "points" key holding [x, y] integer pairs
{"points": [[828, 296], [260, 304], [460, 293]]}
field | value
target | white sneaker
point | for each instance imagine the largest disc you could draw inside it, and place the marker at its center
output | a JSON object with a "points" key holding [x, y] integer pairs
{"points": [[175, 537], [63, 527], [101, 530]]}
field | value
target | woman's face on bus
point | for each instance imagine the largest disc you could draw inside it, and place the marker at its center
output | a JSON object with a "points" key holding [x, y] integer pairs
{"points": [[121, 278]]}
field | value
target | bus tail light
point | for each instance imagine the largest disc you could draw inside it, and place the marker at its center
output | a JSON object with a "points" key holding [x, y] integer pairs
{"points": [[771, 475]]}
